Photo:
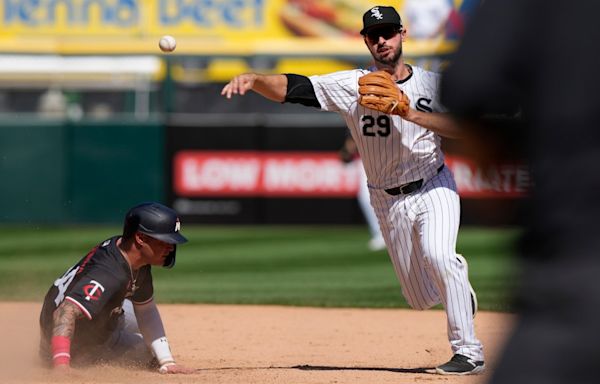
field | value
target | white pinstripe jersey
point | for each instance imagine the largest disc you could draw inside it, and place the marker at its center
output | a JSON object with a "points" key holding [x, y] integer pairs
{"points": [[394, 151]]}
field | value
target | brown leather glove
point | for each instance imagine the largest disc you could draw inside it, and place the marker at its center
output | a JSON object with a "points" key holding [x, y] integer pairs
{"points": [[380, 92]]}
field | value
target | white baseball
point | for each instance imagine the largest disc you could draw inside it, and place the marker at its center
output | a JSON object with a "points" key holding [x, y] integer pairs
{"points": [[167, 43]]}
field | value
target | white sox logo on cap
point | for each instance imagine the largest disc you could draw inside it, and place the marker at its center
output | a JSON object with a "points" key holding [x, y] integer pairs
{"points": [[376, 14], [380, 15]]}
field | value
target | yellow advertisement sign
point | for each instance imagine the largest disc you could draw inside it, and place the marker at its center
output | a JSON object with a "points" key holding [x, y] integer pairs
{"points": [[213, 27], [223, 19]]}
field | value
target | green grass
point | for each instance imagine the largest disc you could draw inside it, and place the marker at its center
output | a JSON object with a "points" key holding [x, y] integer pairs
{"points": [[289, 265]]}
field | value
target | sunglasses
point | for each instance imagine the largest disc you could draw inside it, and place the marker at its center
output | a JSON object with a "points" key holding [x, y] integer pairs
{"points": [[385, 32]]}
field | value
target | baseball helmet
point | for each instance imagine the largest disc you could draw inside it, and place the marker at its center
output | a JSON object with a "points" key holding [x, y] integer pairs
{"points": [[157, 221]]}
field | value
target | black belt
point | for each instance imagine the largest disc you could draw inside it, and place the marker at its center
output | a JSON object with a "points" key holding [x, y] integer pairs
{"points": [[410, 187]]}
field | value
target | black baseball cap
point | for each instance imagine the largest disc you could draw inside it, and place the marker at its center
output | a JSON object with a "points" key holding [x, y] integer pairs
{"points": [[380, 15]]}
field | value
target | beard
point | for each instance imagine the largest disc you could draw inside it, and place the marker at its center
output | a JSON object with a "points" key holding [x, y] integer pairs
{"points": [[390, 59]]}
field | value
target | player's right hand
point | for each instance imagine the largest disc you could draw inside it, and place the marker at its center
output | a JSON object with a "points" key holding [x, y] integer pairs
{"points": [[176, 369], [239, 85]]}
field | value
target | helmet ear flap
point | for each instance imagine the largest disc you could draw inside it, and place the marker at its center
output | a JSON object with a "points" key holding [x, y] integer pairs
{"points": [[170, 259]]}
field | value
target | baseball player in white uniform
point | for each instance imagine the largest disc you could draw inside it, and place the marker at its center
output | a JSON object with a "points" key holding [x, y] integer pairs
{"points": [[412, 192]]}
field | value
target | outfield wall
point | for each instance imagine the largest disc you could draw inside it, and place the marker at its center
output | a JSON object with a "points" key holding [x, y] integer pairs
{"points": [[59, 172], [284, 168], [244, 169]]}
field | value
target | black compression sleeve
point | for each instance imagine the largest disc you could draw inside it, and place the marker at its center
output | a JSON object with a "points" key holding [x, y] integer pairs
{"points": [[300, 91]]}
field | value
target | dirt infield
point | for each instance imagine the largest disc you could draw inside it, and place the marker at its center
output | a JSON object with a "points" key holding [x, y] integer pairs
{"points": [[271, 344]]}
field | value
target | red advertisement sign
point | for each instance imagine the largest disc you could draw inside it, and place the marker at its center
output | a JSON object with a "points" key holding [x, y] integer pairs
{"points": [[246, 173], [318, 174], [507, 180]]}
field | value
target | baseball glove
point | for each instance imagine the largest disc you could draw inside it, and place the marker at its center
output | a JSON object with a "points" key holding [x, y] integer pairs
{"points": [[379, 91]]}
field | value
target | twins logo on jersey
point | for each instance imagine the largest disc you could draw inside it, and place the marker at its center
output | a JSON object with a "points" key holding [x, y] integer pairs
{"points": [[93, 290]]}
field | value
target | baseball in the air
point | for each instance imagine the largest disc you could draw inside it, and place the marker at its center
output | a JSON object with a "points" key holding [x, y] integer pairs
{"points": [[167, 43]]}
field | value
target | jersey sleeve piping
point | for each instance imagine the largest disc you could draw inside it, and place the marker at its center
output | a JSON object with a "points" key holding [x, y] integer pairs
{"points": [[81, 307]]}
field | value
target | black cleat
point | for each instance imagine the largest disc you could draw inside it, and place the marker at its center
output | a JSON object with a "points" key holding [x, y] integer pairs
{"points": [[461, 365]]}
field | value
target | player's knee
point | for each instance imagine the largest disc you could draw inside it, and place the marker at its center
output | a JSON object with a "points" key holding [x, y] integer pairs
{"points": [[435, 261], [419, 305], [130, 349]]}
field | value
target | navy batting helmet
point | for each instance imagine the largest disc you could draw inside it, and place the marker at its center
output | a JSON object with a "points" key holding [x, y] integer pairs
{"points": [[157, 221]]}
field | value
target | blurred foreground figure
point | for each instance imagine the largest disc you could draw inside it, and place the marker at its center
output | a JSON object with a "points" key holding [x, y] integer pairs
{"points": [[544, 56], [102, 309]]}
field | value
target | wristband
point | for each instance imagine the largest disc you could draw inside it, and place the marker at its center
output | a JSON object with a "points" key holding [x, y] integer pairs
{"points": [[61, 350], [162, 352]]}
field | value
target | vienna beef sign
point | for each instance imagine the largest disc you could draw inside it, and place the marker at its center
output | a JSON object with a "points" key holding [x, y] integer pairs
{"points": [[316, 174]]}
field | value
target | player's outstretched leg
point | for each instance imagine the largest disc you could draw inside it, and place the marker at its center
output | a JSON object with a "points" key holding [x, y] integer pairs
{"points": [[448, 272], [474, 304]]}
